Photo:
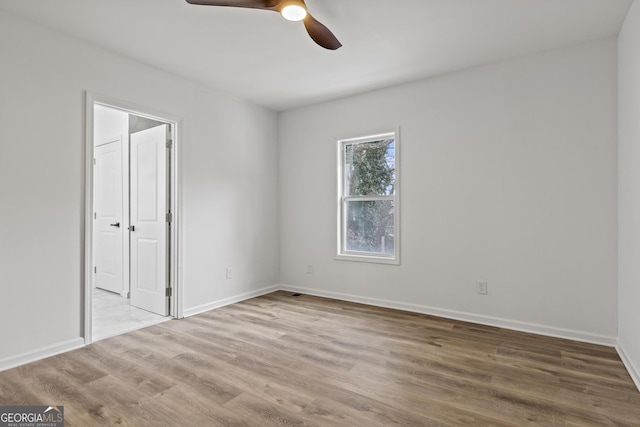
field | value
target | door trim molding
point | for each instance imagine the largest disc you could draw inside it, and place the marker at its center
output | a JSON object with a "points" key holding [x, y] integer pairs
{"points": [[91, 98]]}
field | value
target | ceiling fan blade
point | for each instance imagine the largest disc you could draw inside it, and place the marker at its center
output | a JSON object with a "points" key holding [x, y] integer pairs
{"points": [[317, 31], [253, 4], [321, 34]]}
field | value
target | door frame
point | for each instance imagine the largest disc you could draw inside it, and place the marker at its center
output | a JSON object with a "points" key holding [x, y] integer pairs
{"points": [[176, 308]]}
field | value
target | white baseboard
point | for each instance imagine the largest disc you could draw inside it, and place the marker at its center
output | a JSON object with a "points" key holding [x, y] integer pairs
{"points": [[634, 372], [55, 349], [63, 347], [41, 353], [231, 300], [466, 317]]}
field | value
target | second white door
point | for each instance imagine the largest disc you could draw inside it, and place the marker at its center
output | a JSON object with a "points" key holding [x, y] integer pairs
{"points": [[148, 232], [108, 216]]}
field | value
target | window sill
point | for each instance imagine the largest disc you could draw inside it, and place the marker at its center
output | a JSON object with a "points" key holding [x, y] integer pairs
{"points": [[367, 258]]}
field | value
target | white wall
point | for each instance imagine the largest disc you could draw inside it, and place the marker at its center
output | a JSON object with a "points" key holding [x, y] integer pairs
{"points": [[229, 183], [109, 123], [629, 191], [508, 175]]}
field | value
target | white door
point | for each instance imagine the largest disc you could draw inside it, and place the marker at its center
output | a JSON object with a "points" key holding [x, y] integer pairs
{"points": [[108, 261], [149, 228]]}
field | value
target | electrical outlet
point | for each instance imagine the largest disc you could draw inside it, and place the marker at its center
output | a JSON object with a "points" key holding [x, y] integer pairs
{"points": [[482, 287], [309, 269], [228, 273]]}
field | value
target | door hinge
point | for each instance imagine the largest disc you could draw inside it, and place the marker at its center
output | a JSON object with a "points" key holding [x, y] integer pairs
{"points": [[169, 144], [95, 270], [168, 292], [169, 217], [94, 161], [95, 215]]}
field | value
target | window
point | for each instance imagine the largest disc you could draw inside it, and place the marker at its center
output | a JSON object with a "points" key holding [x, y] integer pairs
{"points": [[368, 208]]}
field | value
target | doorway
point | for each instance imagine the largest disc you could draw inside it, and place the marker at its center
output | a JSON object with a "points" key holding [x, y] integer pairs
{"points": [[131, 219]]}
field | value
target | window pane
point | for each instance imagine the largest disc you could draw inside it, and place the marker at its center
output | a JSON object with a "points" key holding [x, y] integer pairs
{"points": [[369, 226], [369, 168]]}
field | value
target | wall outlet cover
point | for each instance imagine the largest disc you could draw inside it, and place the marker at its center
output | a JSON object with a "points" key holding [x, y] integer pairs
{"points": [[482, 287]]}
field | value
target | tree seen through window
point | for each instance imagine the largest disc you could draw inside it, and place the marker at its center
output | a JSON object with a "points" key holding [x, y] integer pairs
{"points": [[369, 179]]}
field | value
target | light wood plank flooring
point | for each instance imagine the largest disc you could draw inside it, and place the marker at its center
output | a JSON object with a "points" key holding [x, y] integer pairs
{"points": [[279, 360], [114, 315]]}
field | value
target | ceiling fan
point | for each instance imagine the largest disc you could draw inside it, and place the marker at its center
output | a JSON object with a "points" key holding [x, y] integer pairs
{"points": [[292, 10]]}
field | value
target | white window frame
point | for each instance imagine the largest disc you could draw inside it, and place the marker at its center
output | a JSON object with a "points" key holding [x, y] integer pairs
{"points": [[343, 253]]}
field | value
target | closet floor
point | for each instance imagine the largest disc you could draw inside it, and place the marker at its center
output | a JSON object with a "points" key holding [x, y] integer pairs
{"points": [[114, 315]]}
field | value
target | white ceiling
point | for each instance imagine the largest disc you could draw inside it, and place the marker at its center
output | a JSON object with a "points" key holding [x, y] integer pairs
{"points": [[258, 56]]}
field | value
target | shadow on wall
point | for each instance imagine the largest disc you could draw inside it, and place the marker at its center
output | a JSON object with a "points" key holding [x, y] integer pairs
{"points": [[137, 123]]}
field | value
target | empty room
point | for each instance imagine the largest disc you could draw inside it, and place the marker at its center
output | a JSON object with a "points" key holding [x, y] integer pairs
{"points": [[320, 212]]}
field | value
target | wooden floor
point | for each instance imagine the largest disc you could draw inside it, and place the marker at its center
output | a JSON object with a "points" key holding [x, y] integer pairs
{"points": [[280, 360]]}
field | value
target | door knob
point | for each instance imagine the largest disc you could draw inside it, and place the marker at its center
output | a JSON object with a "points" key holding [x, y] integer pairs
{"points": [[117, 225], [132, 228]]}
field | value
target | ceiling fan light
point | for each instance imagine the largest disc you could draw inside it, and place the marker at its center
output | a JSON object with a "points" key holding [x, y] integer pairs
{"points": [[293, 12]]}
